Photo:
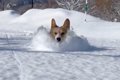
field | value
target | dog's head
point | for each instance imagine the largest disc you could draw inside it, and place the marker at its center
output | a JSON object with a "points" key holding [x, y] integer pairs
{"points": [[59, 33]]}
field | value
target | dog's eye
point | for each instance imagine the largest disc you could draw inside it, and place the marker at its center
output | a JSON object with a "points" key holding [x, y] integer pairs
{"points": [[55, 33], [62, 33]]}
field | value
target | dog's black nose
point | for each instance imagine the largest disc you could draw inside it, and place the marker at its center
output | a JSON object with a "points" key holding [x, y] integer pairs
{"points": [[58, 39]]}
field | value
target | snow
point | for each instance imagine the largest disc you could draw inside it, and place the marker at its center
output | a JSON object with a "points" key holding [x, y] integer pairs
{"points": [[8, 66], [57, 66], [90, 51]]}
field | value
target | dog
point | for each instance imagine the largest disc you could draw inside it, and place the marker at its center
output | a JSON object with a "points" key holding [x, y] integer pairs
{"points": [[59, 33]]}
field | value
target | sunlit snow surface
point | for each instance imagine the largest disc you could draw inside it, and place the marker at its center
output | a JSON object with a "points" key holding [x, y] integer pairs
{"points": [[91, 50]]}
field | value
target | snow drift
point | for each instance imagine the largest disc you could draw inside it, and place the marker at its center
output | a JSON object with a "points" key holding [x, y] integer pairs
{"points": [[33, 18]]}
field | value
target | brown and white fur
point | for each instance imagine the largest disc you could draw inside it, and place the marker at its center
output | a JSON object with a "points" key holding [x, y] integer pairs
{"points": [[59, 33]]}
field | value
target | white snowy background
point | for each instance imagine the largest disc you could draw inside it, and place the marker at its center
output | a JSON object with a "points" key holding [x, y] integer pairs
{"points": [[90, 52]]}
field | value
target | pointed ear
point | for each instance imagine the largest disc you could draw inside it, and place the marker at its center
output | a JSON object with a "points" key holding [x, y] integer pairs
{"points": [[53, 23], [66, 24]]}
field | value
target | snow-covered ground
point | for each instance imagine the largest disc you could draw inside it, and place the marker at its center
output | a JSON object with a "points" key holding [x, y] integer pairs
{"points": [[90, 52]]}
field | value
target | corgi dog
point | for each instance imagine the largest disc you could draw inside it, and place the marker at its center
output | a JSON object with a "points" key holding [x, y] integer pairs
{"points": [[59, 33]]}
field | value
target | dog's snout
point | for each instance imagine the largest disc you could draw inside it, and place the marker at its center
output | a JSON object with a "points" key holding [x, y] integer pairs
{"points": [[58, 39]]}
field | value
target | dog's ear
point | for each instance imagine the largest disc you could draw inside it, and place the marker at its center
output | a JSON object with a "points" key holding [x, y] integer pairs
{"points": [[66, 24], [53, 23]]}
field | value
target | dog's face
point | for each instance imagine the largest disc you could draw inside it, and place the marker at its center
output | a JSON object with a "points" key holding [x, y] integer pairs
{"points": [[59, 33]]}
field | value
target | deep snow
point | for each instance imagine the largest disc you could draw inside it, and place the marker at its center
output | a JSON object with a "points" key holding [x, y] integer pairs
{"points": [[90, 52], [71, 43]]}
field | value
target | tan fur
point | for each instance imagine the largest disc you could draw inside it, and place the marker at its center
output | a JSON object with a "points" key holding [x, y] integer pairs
{"points": [[59, 32]]}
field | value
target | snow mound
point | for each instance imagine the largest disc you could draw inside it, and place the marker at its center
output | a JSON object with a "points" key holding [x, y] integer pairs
{"points": [[6, 16], [43, 42]]}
